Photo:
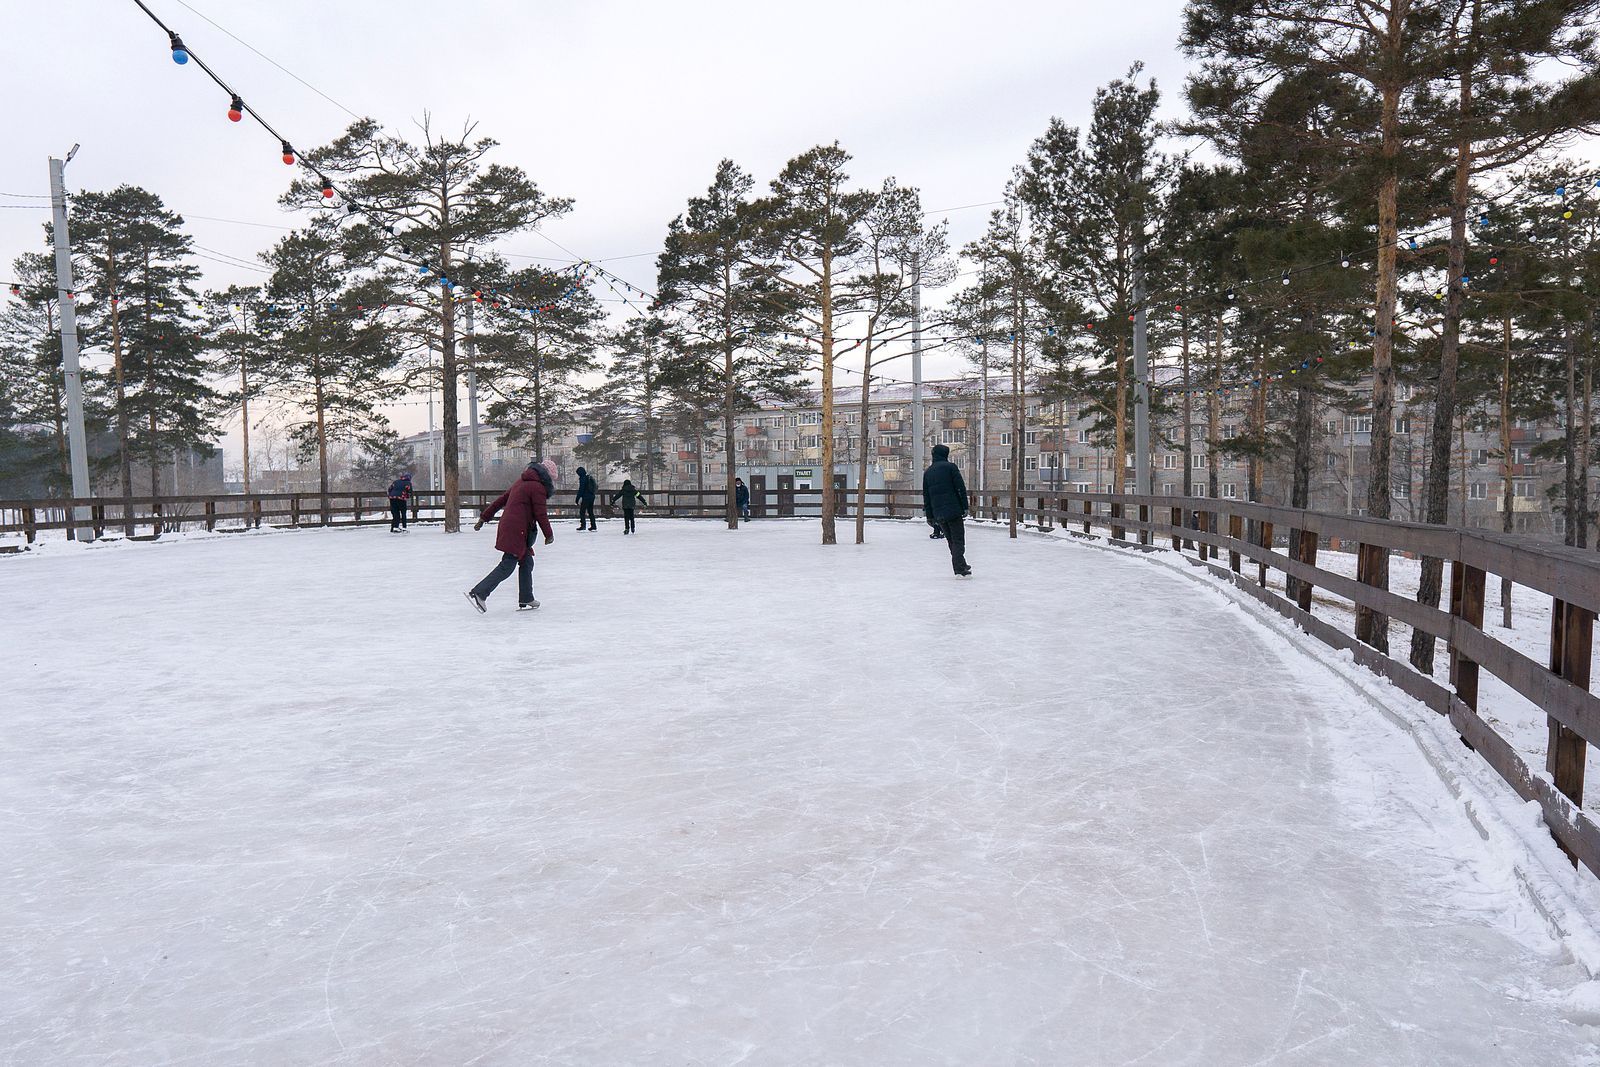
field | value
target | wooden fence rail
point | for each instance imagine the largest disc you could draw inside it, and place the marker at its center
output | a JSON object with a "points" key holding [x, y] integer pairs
{"points": [[1270, 538]]}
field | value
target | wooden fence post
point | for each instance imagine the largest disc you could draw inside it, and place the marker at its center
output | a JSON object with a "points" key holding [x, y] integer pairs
{"points": [[1144, 517], [98, 513], [211, 515], [1088, 511], [1369, 560], [30, 524], [1308, 556], [1117, 532], [1177, 524], [255, 513], [1235, 531], [1266, 543], [155, 518], [1571, 643], [294, 511], [1466, 604]]}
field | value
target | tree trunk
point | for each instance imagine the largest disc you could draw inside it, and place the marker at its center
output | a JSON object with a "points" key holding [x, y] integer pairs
{"points": [[828, 535], [1258, 430], [1119, 450], [1584, 430], [538, 399], [1018, 409], [1372, 627], [124, 458], [865, 435], [1188, 407], [1214, 418], [1506, 497], [730, 504], [1436, 484], [449, 371], [244, 408], [1575, 519]]}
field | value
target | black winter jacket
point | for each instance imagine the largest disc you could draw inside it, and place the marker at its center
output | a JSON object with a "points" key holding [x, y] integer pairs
{"points": [[944, 492]]}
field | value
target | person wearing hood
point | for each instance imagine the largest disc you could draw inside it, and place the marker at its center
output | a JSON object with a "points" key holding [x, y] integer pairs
{"points": [[399, 500], [631, 497], [526, 506], [741, 498], [585, 499], [944, 502]]}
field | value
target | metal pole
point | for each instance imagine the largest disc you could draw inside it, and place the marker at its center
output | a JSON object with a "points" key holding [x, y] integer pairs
{"points": [[1141, 379], [77, 444], [472, 396], [983, 388], [918, 444]]}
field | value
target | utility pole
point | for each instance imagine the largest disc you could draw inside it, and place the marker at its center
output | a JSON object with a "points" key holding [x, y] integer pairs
{"points": [[919, 459], [1141, 380], [983, 386], [77, 444], [244, 389], [472, 396]]}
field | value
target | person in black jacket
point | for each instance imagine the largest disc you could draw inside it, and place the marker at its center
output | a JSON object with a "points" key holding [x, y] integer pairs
{"points": [[630, 496], [741, 498], [399, 500], [944, 502], [585, 501]]}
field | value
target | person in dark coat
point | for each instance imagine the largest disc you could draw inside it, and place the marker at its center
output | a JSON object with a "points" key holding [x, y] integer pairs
{"points": [[399, 500], [526, 507], [741, 497], [630, 496], [944, 502], [585, 500]]}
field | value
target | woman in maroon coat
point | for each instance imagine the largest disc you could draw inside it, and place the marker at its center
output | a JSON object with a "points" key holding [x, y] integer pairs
{"points": [[525, 505]]}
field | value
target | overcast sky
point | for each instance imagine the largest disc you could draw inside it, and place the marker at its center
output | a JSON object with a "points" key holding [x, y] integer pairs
{"points": [[625, 107]]}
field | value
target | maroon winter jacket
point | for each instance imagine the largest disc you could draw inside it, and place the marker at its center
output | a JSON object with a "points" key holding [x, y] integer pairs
{"points": [[524, 503]]}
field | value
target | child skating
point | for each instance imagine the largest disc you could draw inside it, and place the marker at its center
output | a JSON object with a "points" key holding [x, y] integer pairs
{"points": [[526, 506]]}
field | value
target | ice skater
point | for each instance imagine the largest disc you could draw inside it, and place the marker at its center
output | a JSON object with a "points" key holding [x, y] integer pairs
{"points": [[630, 496], [585, 499], [399, 501], [741, 497], [944, 502], [526, 505]]}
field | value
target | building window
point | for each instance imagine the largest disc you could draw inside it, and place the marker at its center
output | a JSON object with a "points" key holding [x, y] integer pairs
{"points": [[1031, 436], [1169, 489], [1030, 463], [1083, 437], [1199, 460], [1402, 490], [1228, 431], [1478, 491], [1005, 438], [1480, 457], [1402, 391], [1199, 488], [811, 418], [811, 441], [953, 437], [1402, 424], [1169, 462], [1230, 490], [1083, 463], [1358, 424], [1523, 489], [1005, 463]]}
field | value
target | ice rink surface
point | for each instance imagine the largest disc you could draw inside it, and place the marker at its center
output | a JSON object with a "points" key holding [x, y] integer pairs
{"points": [[727, 798]]}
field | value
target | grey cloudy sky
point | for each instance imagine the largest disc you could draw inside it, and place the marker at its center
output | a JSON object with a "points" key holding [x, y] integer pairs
{"points": [[625, 107]]}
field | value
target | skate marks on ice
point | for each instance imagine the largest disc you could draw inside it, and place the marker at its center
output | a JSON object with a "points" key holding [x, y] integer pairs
{"points": [[726, 796]]}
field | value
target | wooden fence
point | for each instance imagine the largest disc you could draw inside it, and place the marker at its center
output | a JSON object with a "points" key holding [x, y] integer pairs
{"points": [[1271, 539]]}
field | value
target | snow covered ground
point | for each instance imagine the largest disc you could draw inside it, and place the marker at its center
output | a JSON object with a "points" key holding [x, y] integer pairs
{"points": [[729, 797]]}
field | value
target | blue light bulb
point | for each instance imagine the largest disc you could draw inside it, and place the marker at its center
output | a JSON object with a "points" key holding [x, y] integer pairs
{"points": [[179, 56]]}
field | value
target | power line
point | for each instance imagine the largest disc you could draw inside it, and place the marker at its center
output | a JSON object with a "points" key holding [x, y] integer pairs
{"points": [[269, 59]]}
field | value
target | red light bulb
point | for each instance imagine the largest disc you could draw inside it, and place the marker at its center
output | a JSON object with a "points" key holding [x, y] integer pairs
{"points": [[236, 110], [288, 154], [327, 189]]}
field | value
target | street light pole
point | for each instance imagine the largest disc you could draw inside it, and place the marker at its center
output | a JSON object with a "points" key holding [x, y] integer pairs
{"points": [[77, 443], [918, 446]]}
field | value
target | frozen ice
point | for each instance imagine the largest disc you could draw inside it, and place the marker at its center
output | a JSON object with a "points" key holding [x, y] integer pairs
{"points": [[728, 797]]}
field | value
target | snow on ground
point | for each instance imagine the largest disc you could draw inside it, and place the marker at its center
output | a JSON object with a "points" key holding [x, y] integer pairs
{"points": [[728, 797]]}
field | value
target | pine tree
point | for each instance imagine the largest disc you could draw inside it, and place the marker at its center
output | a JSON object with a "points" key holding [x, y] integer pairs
{"points": [[624, 411], [429, 201], [1388, 53], [899, 253], [137, 261], [534, 353], [810, 244], [731, 315], [238, 347], [326, 356], [34, 457], [1093, 200]]}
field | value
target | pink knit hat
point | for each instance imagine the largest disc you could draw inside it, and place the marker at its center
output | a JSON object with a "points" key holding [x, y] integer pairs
{"points": [[550, 466]]}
